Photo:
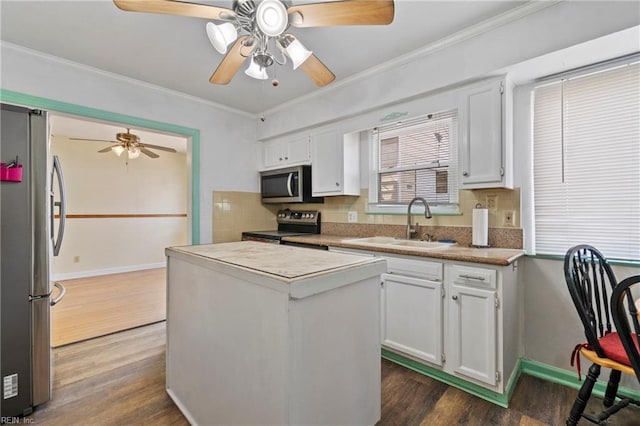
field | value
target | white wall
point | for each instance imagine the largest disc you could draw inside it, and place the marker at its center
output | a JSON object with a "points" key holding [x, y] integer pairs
{"points": [[104, 184], [551, 324], [227, 138], [553, 28]]}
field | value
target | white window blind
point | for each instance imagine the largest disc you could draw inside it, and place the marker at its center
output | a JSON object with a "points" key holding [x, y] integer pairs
{"points": [[417, 158], [587, 163]]}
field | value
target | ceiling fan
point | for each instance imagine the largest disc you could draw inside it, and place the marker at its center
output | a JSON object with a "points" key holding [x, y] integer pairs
{"points": [[131, 143], [260, 22]]}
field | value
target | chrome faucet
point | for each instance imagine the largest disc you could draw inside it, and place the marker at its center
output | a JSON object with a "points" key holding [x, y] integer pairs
{"points": [[427, 213]]}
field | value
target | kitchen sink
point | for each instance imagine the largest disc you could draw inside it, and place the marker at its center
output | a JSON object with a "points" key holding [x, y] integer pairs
{"points": [[373, 240], [397, 242], [420, 244]]}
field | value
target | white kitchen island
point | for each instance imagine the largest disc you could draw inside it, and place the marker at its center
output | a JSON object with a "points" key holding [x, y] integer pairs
{"points": [[266, 334]]}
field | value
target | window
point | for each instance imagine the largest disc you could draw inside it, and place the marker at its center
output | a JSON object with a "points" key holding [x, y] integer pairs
{"points": [[416, 158], [586, 143]]}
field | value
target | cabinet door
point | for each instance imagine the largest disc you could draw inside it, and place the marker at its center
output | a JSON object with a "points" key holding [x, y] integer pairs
{"points": [[412, 317], [472, 324], [297, 151], [482, 149], [273, 154], [327, 159]]}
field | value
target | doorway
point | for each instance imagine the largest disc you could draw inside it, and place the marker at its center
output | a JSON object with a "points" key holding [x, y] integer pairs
{"points": [[122, 211]]}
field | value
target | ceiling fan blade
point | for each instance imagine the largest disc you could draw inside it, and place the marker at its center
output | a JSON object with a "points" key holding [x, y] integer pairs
{"points": [[161, 148], [231, 63], [91, 140], [107, 149], [148, 153], [176, 8], [348, 12], [317, 71]]}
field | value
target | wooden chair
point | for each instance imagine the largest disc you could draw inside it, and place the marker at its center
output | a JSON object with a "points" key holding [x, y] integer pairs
{"points": [[625, 308], [591, 282]]}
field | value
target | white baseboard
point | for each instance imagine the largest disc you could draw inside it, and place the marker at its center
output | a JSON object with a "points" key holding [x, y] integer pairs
{"points": [[108, 271]]}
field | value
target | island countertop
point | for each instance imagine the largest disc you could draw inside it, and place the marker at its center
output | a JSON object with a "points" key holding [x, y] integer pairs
{"points": [[491, 256], [285, 263]]}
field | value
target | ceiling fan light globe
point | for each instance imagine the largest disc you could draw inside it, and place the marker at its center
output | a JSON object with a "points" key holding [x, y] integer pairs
{"points": [[134, 152], [271, 17], [221, 36], [118, 150], [298, 53], [256, 71]]}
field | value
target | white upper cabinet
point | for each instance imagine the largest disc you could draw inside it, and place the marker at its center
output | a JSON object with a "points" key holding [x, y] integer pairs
{"points": [[335, 160], [486, 142], [285, 153]]}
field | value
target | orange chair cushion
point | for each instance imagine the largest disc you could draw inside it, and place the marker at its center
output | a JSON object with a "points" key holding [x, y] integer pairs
{"points": [[613, 349]]}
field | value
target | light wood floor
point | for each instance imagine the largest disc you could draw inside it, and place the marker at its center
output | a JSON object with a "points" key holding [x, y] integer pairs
{"points": [[97, 306], [120, 379]]}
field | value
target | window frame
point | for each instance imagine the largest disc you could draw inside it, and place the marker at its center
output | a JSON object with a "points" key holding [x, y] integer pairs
{"points": [[451, 208]]}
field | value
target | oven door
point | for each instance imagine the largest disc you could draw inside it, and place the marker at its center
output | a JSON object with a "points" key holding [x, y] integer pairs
{"points": [[281, 186]]}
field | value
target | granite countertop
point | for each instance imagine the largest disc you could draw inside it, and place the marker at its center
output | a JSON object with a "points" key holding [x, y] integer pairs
{"points": [[491, 256], [281, 261]]}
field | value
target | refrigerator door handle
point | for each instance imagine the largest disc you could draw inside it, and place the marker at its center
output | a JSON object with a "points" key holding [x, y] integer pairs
{"points": [[63, 291], [62, 205]]}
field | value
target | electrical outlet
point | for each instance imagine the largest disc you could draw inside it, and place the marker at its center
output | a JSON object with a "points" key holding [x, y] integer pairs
{"points": [[491, 202], [352, 217], [509, 218], [76, 259]]}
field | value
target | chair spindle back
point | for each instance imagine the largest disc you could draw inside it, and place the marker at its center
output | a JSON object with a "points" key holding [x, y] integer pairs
{"points": [[625, 307], [591, 281]]}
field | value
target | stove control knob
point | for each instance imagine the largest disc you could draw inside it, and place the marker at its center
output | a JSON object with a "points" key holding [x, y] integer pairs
{"points": [[311, 215]]}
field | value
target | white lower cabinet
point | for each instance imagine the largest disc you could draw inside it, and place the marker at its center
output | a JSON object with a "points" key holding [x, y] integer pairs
{"points": [[458, 317], [472, 329], [412, 316]]}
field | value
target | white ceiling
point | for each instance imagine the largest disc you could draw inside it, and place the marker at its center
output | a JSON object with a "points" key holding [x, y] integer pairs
{"points": [[174, 52]]}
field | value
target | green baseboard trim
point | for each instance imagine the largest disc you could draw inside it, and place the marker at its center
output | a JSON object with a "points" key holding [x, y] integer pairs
{"points": [[569, 378], [499, 399], [31, 101]]}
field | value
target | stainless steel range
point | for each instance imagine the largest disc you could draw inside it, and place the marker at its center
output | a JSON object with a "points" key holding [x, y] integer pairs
{"points": [[290, 222]]}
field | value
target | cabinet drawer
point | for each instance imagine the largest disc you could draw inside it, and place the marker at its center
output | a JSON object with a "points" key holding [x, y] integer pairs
{"points": [[471, 276], [415, 268]]}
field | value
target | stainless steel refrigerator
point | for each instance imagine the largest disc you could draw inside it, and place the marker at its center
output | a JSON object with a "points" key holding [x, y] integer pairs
{"points": [[27, 205]]}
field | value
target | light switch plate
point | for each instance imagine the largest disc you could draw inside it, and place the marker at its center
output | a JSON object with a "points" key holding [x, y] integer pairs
{"points": [[491, 202], [352, 216]]}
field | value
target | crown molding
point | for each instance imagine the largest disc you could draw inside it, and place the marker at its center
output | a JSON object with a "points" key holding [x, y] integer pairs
{"points": [[45, 56]]}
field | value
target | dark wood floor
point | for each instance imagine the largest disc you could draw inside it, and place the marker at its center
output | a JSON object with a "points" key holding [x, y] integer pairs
{"points": [[119, 379]]}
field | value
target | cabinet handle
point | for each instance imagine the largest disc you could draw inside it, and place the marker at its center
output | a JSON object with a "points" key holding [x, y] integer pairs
{"points": [[465, 173], [454, 297], [286, 158], [472, 277], [280, 158], [337, 183]]}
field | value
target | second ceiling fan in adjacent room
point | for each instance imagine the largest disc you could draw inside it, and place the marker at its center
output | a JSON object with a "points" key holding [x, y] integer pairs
{"points": [[130, 143]]}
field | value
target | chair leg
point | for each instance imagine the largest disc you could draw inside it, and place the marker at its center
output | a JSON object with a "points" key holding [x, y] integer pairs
{"points": [[612, 388], [583, 395]]}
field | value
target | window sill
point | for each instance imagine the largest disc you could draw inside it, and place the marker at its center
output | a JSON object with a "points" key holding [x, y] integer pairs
{"points": [[417, 209]]}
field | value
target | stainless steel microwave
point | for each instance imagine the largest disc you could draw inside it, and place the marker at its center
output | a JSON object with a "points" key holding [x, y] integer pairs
{"points": [[290, 185]]}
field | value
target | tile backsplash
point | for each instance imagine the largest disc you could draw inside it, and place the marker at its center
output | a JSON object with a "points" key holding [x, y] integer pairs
{"points": [[234, 212], [335, 209]]}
